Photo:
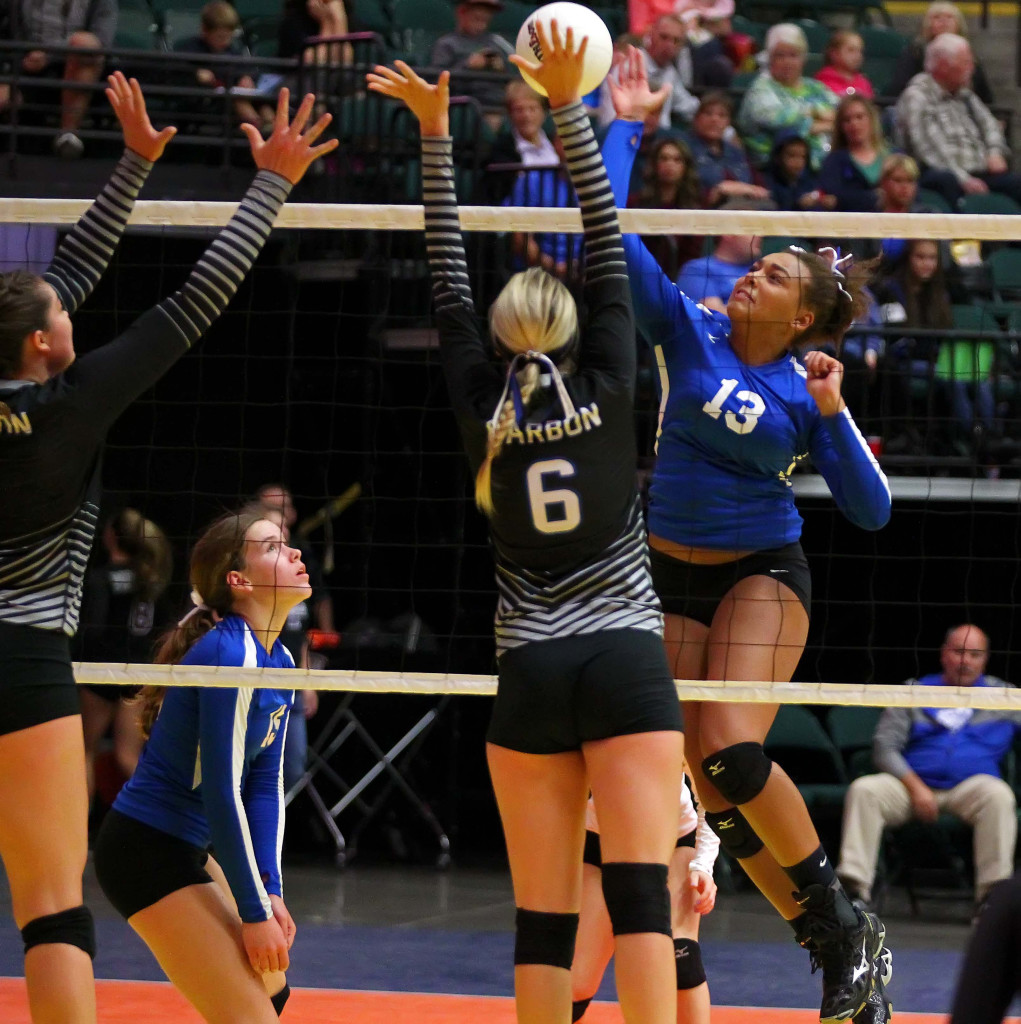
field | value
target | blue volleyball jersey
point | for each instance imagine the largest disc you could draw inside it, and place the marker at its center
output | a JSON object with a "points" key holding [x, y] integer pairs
{"points": [[731, 435], [211, 772]]}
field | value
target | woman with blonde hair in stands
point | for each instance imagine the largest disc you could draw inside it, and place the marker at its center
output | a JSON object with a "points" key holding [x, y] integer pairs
{"points": [[585, 699], [939, 17]]}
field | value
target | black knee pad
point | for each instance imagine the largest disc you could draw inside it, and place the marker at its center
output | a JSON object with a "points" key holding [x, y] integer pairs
{"points": [[73, 927], [690, 972], [279, 1001], [578, 1008], [738, 772], [545, 938], [737, 837], [637, 898]]}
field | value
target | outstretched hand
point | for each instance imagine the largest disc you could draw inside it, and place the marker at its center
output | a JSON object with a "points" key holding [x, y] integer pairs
{"points": [[633, 100], [128, 104], [429, 103], [560, 70], [289, 151]]}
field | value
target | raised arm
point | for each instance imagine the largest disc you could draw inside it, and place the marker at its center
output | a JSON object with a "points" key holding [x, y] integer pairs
{"points": [[111, 377], [85, 253]]}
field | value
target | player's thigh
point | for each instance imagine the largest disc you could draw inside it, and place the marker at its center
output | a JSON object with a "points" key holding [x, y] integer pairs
{"points": [[594, 946], [43, 816], [195, 934], [685, 641], [636, 784], [97, 716], [542, 798], [758, 632]]}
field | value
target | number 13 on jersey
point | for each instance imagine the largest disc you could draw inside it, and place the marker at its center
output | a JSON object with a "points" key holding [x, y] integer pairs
{"points": [[544, 496], [743, 421]]}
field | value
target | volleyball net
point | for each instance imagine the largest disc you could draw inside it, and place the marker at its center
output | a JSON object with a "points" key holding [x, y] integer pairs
{"points": [[324, 376]]}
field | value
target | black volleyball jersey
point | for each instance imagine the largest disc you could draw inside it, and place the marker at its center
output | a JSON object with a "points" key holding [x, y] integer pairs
{"points": [[51, 434], [567, 527]]}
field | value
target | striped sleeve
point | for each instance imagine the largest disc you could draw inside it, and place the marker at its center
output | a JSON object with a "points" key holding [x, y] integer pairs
{"points": [[447, 264], [223, 266], [604, 249], [86, 252]]}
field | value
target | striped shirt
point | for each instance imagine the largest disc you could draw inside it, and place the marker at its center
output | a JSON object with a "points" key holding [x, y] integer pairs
{"points": [[51, 434], [567, 526]]}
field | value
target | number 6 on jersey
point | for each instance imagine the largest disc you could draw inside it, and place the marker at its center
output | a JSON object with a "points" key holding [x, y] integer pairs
{"points": [[542, 499]]}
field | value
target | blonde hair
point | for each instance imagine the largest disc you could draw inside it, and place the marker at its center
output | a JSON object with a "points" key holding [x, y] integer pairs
{"points": [[533, 313], [219, 14], [943, 7], [900, 162], [517, 89]]}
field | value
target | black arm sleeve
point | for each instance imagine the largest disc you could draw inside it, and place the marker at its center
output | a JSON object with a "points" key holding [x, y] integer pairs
{"points": [[85, 253], [110, 378], [608, 334]]}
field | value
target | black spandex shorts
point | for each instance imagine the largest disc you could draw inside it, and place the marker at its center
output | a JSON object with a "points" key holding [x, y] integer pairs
{"points": [[36, 681], [137, 865], [593, 854], [695, 591], [555, 695]]}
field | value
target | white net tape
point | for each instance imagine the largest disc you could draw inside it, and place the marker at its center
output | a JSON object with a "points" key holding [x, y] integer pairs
{"points": [[994, 698], [335, 216]]}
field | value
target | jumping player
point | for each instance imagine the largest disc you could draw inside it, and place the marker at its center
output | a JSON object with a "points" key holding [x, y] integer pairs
{"points": [[54, 413], [692, 895], [212, 771], [584, 692], [740, 411]]}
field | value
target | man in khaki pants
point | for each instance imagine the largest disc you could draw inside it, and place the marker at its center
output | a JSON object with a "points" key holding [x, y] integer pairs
{"points": [[933, 760]]}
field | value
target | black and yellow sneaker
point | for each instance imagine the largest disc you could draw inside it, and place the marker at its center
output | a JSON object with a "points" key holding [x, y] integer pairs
{"points": [[878, 1009]]}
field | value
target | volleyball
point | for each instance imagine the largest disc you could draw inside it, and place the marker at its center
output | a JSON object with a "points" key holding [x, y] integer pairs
{"points": [[585, 22]]}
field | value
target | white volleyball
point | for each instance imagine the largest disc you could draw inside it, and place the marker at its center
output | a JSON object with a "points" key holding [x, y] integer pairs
{"points": [[584, 22]]}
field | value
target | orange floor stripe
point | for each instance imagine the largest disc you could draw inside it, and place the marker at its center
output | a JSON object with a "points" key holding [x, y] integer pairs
{"points": [[144, 1002]]}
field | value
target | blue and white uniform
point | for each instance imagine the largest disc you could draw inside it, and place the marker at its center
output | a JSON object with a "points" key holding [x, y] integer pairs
{"points": [[732, 434], [211, 772]]}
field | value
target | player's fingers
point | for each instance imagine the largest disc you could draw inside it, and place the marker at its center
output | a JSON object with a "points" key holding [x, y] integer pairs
{"points": [[252, 134], [303, 113], [283, 106], [317, 129], [409, 72], [582, 47]]}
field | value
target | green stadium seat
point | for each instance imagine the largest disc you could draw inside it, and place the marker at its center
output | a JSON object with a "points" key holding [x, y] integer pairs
{"points": [[800, 745], [934, 200], [509, 21], [431, 15], [990, 202], [180, 22], [136, 30], [1005, 268], [818, 35], [881, 41], [851, 729], [371, 16]]}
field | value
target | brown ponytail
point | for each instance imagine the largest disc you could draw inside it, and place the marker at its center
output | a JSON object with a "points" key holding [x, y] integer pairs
{"points": [[219, 550]]}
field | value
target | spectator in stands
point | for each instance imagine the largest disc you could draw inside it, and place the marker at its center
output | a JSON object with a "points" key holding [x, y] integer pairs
{"points": [[933, 761], [711, 279], [845, 54], [709, 30], [123, 611], [219, 27], [952, 134], [914, 294], [781, 98], [472, 47], [861, 352], [84, 25], [670, 183], [792, 183], [306, 19], [276, 503], [521, 139], [852, 168], [939, 17], [722, 166]]}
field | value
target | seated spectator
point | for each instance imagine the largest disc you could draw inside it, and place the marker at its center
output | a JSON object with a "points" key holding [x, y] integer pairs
{"points": [[897, 192], [845, 54], [709, 29], [522, 139], [556, 252], [782, 99], [472, 47], [952, 134], [722, 166], [851, 171], [306, 19], [711, 279], [939, 17], [85, 25], [914, 294], [219, 24], [671, 183], [933, 761], [668, 61], [789, 176]]}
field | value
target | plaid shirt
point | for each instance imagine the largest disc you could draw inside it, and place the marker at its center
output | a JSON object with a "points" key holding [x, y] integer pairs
{"points": [[947, 131]]}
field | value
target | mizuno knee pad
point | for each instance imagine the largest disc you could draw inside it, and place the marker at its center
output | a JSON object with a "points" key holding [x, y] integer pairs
{"points": [[637, 898], [690, 972], [72, 927], [545, 938], [737, 837], [738, 772]]}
